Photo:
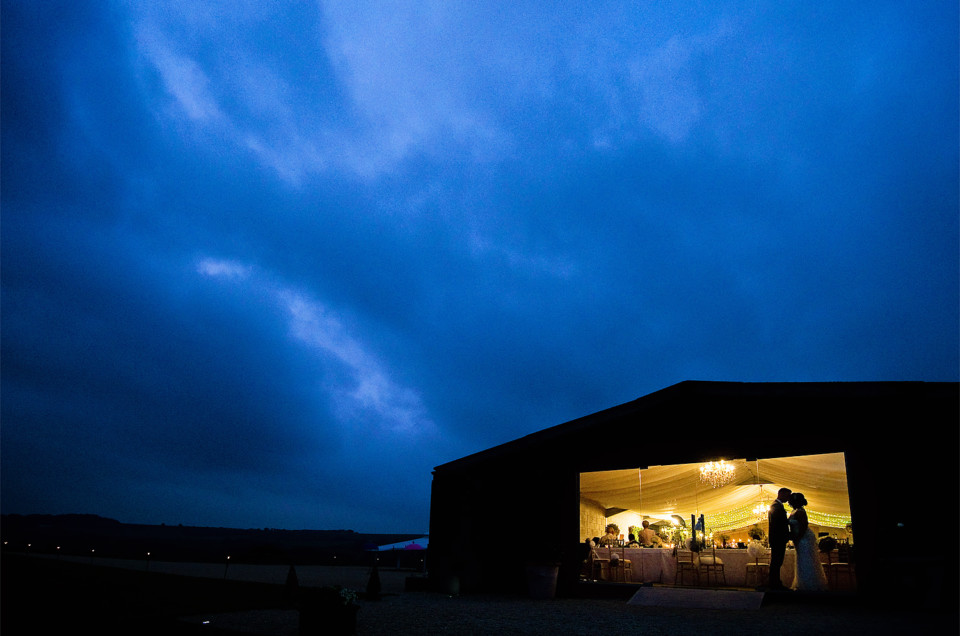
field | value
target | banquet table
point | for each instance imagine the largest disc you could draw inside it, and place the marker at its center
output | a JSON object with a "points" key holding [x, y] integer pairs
{"points": [[659, 565]]}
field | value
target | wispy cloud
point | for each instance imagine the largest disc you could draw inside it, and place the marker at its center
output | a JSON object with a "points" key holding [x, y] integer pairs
{"points": [[183, 78], [411, 90], [371, 399], [392, 94], [223, 268], [669, 101], [366, 398], [669, 84]]}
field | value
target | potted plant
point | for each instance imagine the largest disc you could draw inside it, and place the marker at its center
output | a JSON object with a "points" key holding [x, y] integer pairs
{"points": [[328, 610], [542, 566]]}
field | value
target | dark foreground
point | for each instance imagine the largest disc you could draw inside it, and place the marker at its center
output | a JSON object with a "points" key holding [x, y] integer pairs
{"points": [[50, 596]]}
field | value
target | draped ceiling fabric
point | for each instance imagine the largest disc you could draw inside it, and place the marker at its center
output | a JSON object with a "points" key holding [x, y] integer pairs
{"points": [[661, 491]]}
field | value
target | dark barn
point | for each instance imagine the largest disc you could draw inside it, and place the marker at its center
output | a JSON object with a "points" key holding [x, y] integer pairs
{"points": [[496, 511]]}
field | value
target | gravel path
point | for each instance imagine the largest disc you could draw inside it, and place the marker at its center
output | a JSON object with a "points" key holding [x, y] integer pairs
{"points": [[401, 612], [417, 613]]}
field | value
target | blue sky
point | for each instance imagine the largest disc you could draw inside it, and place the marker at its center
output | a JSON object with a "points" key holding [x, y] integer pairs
{"points": [[267, 264]]}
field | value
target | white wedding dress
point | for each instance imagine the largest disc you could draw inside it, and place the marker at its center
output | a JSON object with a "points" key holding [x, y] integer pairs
{"points": [[808, 575]]}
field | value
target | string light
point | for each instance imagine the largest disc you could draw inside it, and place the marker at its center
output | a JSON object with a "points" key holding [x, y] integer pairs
{"points": [[747, 516]]}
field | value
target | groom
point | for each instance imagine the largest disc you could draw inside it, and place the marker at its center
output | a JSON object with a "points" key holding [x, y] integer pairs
{"points": [[779, 534]]}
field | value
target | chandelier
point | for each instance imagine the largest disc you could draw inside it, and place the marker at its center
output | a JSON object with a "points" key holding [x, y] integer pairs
{"points": [[717, 473]]}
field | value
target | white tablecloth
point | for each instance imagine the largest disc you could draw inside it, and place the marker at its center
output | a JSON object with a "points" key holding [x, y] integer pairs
{"points": [[658, 565]]}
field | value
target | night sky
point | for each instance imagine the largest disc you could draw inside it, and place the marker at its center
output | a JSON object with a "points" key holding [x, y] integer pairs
{"points": [[266, 264]]}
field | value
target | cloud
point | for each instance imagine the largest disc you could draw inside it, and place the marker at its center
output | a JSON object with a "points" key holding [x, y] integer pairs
{"points": [[366, 399], [403, 66], [221, 268], [670, 102], [186, 82], [404, 97], [268, 264]]}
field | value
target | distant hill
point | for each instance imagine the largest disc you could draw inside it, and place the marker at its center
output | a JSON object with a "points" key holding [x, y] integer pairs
{"points": [[95, 536]]}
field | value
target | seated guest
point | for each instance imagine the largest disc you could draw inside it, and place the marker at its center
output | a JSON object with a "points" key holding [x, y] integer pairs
{"points": [[648, 536], [611, 538], [632, 543]]}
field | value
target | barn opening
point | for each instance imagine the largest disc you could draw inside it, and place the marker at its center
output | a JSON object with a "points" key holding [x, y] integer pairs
{"points": [[732, 495]]}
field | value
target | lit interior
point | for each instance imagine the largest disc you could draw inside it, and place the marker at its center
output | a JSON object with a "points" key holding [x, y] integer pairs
{"points": [[735, 502]]}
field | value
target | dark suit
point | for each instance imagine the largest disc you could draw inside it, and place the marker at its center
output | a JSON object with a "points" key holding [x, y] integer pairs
{"points": [[779, 534]]}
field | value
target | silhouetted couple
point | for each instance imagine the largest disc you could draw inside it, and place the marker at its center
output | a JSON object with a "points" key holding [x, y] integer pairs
{"points": [[808, 575]]}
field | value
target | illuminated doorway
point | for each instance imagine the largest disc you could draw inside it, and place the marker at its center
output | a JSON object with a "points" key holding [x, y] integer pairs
{"points": [[733, 503]]}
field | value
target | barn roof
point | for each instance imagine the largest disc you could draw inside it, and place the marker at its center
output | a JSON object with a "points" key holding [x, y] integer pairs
{"points": [[683, 423]]}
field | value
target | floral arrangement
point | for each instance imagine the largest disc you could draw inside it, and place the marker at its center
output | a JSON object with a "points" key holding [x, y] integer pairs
{"points": [[755, 549], [678, 536], [827, 544], [756, 533]]}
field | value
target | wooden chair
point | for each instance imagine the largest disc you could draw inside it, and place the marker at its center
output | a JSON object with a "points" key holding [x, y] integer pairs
{"points": [[620, 566], [598, 566], [758, 570], [686, 563], [710, 563], [840, 563]]}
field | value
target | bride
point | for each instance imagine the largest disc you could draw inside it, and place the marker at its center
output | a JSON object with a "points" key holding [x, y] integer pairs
{"points": [[809, 575]]}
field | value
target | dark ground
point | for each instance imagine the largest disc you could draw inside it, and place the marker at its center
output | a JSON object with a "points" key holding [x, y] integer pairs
{"points": [[59, 597], [50, 596]]}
